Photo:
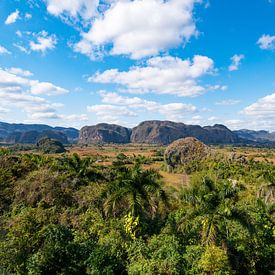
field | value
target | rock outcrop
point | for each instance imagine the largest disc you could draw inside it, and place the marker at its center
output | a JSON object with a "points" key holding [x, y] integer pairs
{"points": [[185, 150], [104, 133], [165, 132]]}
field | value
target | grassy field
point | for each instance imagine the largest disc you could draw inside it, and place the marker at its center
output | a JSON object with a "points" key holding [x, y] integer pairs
{"points": [[106, 154]]}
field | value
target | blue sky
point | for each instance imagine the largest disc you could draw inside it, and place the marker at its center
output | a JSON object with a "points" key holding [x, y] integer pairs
{"points": [[80, 62]]}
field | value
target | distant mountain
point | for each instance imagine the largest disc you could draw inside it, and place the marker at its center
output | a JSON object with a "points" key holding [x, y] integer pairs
{"points": [[149, 132], [104, 133], [165, 132], [31, 133], [258, 136], [32, 137]]}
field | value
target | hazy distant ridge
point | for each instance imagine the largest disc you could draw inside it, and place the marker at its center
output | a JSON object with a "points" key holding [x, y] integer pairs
{"points": [[150, 132]]}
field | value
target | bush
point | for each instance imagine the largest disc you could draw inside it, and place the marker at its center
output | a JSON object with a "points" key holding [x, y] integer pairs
{"points": [[50, 146]]}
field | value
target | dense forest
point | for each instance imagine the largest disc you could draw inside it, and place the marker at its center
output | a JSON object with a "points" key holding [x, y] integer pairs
{"points": [[66, 214]]}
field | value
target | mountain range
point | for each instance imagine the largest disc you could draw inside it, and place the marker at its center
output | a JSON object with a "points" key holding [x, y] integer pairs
{"points": [[12, 133], [149, 132]]}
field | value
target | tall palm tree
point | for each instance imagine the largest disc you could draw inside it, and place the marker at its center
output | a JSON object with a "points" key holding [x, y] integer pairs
{"points": [[82, 169], [212, 206], [134, 190]]}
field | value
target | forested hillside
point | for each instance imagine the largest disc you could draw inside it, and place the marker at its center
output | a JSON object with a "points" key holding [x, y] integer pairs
{"points": [[69, 215]]}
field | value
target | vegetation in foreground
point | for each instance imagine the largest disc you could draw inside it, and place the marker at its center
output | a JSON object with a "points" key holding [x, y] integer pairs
{"points": [[72, 215]]}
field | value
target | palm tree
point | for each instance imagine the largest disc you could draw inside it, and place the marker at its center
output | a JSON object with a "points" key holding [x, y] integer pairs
{"points": [[134, 190], [212, 206], [80, 168]]}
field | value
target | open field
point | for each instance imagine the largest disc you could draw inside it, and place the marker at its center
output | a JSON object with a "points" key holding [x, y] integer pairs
{"points": [[111, 151], [106, 154]]}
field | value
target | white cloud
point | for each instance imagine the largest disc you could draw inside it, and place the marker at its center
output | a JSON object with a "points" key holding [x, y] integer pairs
{"points": [[75, 117], [257, 116], [92, 51], [110, 113], [117, 107], [236, 62], [43, 42], [46, 88], [19, 33], [21, 48], [43, 115], [213, 118], [4, 110], [8, 80], [162, 75], [28, 16], [263, 108], [228, 102], [244, 123], [18, 92], [110, 110], [142, 28], [133, 102], [20, 98], [19, 71], [266, 42], [176, 111], [12, 17], [3, 50], [73, 8]]}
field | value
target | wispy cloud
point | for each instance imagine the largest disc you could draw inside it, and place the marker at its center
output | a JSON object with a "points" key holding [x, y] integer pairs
{"points": [[266, 42], [12, 18], [3, 50], [236, 62]]}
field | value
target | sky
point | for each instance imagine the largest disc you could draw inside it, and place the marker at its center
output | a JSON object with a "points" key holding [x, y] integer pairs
{"points": [[81, 62]]}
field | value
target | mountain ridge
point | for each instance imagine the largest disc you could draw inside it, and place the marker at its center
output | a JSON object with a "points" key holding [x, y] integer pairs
{"points": [[150, 132], [11, 133]]}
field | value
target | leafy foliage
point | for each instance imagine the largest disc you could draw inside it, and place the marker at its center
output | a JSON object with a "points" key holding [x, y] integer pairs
{"points": [[71, 215]]}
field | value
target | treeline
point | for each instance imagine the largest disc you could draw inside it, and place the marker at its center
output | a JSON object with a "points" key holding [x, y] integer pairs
{"points": [[71, 215]]}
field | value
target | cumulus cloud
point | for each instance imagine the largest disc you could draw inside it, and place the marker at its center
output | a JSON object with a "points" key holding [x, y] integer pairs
{"points": [[117, 107], [228, 102], [20, 98], [75, 117], [141, 28], [46, 88], [263, 108], [258, 115], [10, 79], [19, 92], [92, 51], [19, 71], [162, 75], [109, 112], [236, 62], [267, 42], [3, 50], [12, 18], [73, 8], [44, 115], [43, 42], [132, 102]]}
